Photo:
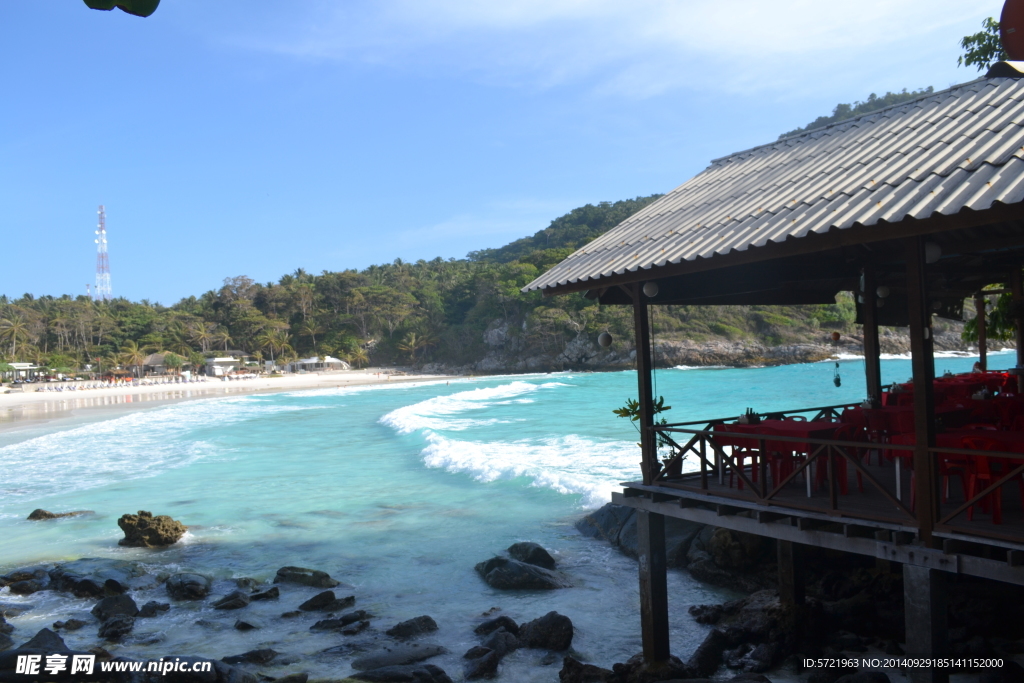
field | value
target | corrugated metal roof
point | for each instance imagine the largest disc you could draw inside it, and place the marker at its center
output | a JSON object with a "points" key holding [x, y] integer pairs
{"points": [[956, 149]]}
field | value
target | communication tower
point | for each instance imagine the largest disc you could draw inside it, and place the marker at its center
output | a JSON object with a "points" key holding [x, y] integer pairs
{"points": [[102, 289]]}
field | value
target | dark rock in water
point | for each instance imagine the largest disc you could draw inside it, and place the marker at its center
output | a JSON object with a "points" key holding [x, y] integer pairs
{"points": [[30, 579], [492, 625], [187, 586], [531, 553], [506, 574], [263, 656], [416, 626], [146, 531], [340, 622], [708, 656], [574, 671], [292, 678], [750, 678], [116, 605], [233, 600], [93, 577], [151, 608], [617, 525], [272, 593], [484, 666], [72, 624], [327, 602], [292, 614], [355, 628], [865, 677], [38, 515], [552, 631], [416, 673], [397, 655], [744, 556], [247, 625], [247, 582], [6, 643], [305, 577], [45, 640], [637, 670], [606, 523], [117, 627], [9, 609], [502, 642], [760, 658], [476, 651]]}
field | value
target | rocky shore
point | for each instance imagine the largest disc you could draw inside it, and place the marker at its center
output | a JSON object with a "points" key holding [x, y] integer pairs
{"points": [[505, 354], [853, 608]]}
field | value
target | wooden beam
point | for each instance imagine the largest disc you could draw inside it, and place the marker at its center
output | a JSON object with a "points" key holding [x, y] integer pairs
{"points": [[650, 529], [791, 575], [872, 350], [1017, 292], [979, 319], [923, 362], [642, 337]]}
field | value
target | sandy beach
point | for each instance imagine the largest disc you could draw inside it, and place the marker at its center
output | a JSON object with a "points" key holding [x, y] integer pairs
{"points": [[22, 407]]}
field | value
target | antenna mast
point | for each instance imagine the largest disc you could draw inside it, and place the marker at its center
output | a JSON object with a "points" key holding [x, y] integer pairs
{"points": [[102, 289]]}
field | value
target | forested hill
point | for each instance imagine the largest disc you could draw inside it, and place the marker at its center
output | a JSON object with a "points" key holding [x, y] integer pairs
{"points": [[566, 233], [459, 313]]}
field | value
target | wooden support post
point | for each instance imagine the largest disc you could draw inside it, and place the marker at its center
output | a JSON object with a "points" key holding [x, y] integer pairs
{"points": [[923, 362], [1017, 292], [791, 575], [642, 334], [872, 351], [979, 318], [650, 532], [924, 606]]}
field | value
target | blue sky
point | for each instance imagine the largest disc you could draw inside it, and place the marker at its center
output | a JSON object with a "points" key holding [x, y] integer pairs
{"points": [[255, 137]]}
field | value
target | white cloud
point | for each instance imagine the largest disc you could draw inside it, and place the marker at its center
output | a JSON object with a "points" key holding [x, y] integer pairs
{"points": [[635, 48]]}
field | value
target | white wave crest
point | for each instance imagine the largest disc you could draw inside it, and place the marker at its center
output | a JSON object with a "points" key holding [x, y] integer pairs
{"points": [[570, 465], [439, 413]]}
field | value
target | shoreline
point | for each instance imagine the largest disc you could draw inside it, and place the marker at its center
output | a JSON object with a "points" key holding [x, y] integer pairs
{"points": [[19, 409]]}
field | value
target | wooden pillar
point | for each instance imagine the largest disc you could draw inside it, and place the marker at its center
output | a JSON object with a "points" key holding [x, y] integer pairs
{"points": [[650, 532], [642, 334], [925, 614], [1017, 292], [979, 319], [872, 353], [791, 575], [923, 362]]}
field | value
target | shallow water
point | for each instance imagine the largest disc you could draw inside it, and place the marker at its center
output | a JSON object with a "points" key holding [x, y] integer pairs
{"points": [[396, 490]]}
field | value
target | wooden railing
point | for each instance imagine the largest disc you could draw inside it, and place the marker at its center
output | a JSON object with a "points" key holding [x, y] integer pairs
{"points": [[702, 440]]}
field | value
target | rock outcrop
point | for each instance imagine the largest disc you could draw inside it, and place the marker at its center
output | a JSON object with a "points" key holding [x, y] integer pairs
{"points": [[93, 577], [305, 577], [146, 531], [417, 626], [531, 553], [553, 631], [507, 574], [188, 586], [40, 515]]}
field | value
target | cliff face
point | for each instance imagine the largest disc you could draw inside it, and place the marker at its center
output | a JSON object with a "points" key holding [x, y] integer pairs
{"points": [[506, 352]]}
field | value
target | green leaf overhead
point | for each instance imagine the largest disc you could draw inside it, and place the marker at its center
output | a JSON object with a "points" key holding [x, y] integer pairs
{"points": [[139, 8]]}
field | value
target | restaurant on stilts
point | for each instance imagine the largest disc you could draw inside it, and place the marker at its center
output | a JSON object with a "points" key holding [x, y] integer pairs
{"points": [[914, 209]]}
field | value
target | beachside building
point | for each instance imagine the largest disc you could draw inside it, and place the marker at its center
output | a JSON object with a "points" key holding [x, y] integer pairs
{"points": [[913, 209], [153, 365], [22, 371], [318, 364], [222, 365]]}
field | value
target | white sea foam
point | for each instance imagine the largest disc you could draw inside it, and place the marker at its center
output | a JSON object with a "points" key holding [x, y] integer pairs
{"points": [[701, 367], [572, 465], [439, 413], [134, 446]]}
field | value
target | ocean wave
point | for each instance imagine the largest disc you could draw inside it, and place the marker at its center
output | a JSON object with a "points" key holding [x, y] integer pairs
{"points": [[700, 367], [571, 465], [440, 412], [134, 446]]}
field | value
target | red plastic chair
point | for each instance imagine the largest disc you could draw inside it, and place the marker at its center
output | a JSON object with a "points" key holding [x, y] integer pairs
{"points": [[981, 476], [848, 433]]}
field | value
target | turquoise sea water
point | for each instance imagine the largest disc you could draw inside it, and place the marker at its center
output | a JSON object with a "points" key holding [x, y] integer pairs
{"points": [[396, 490]]}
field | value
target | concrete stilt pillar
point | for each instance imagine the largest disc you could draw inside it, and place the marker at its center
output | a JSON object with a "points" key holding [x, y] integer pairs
{"points": [[791, 575], [924, 605], [650, 532]]}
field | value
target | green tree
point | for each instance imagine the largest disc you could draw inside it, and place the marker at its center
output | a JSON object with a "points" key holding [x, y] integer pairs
{"points": [[173, 362], [983, 48], [140, 8]]}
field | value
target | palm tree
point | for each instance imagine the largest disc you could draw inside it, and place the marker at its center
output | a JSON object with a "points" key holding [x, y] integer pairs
{"points": [[359, 357], [275, 340], [310, 329], [221, 336], [176, 339], [14, 329], [132, 355], [202, 334]]}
